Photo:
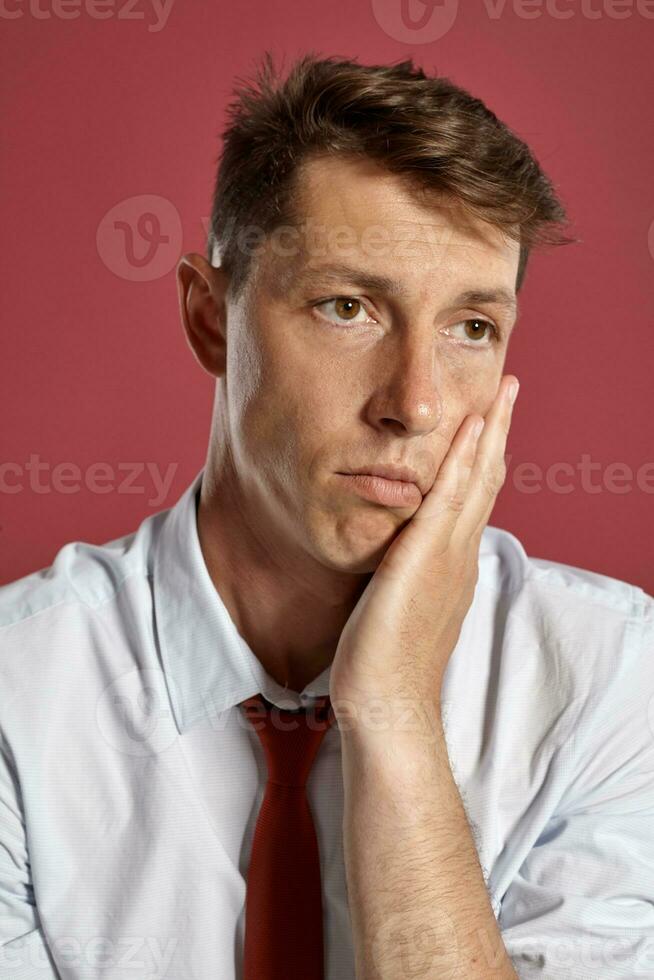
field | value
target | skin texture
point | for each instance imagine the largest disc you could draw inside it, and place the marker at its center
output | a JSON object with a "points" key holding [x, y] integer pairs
{"points": [[303, 393]]}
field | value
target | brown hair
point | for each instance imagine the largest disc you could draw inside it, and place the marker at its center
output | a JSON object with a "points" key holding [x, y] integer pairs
{"points": [[437, 135]]}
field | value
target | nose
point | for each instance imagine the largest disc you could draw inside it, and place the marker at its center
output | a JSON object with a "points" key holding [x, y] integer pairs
{"points": [[407, 390]]}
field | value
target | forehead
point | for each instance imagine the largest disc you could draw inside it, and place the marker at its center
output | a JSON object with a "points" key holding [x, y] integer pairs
{"points": [[357, 213]]}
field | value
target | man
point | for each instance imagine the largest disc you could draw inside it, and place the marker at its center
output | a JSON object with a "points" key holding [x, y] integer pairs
{"points": [[238, 741]]}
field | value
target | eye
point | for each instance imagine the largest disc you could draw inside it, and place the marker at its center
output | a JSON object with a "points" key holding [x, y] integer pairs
{"points": [[346, 308], [474, 329]]}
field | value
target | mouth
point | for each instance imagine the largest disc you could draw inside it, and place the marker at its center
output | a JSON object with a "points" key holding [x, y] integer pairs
{"points": [[382, 490]]}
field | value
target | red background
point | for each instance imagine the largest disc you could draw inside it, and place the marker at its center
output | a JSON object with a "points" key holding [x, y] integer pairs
{"points": [[95, 365]]}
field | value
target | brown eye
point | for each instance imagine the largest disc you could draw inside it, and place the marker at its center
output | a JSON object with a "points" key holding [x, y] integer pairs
{"points": [[477, 328], [344, 310], [343, 306], [477, 332]]}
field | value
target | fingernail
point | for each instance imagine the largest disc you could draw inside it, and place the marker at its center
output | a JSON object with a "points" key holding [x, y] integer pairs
{"points": [[512, 393]]}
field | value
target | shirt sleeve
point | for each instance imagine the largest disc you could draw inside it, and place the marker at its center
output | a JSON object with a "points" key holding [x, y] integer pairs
{"points": [[24, 954], [581, 906]]}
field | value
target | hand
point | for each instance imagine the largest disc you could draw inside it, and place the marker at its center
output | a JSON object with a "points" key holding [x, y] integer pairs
{"points": [[397, 643]]}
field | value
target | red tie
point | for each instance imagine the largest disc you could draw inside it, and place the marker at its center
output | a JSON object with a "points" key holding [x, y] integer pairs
{"points": [[283, 905]]}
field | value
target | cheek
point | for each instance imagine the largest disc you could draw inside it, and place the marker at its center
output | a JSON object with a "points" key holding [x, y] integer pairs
{"points": [[278, 415], [471, 378], [245, 369], [476, 367], [464, 390]]}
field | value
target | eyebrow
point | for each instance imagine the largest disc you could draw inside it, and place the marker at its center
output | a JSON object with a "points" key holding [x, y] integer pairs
{"points": [[366, 280]]}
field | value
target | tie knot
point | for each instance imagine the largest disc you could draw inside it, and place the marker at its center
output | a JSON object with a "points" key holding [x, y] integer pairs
{"points": [[290, 738]]}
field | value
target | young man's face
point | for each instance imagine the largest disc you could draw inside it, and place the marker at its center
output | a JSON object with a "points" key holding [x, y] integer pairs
{"points": [[327, 374]]}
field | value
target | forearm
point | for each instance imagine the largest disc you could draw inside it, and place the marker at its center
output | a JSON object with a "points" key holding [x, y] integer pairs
{"points": [[418, 901]]}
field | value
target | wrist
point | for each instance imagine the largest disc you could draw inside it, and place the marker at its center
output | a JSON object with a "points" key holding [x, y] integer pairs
{"points": [[385, 719]]}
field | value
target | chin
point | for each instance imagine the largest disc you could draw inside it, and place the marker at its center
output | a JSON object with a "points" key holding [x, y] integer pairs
{"points": [[357, 545], [354, 566]]}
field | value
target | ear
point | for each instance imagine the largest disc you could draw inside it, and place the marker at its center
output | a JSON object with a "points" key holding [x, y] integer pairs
{"points": [[202, 289]]}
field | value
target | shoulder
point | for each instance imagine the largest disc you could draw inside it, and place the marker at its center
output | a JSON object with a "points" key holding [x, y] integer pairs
{"points": [[52, 617], [573, 651], [505, 566], [585, 619]]}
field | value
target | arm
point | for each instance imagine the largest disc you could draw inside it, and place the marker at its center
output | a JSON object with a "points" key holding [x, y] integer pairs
{"points": [[23, 952], [416, 888], [581, 904], [418, 899]]}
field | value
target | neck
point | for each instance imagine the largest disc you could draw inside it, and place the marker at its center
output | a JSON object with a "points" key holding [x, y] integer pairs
{"points": [[288, 608]]}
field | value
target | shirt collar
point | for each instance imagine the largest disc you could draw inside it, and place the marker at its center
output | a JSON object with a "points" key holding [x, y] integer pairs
{"points": [[207, 664]]}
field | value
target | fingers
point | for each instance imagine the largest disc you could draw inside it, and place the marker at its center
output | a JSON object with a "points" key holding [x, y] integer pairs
{"points": [[489, 469], [443, 505], [459, 503]]}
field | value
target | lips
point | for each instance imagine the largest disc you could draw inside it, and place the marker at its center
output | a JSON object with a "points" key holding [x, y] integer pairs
{"points": [[381, 490], [391, 471]]}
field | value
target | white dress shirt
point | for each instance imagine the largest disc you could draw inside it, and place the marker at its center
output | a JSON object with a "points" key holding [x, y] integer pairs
{"points": [[130, 781]]}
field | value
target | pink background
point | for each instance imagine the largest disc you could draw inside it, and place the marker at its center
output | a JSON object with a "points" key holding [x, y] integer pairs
{"points": [[95, 366]]}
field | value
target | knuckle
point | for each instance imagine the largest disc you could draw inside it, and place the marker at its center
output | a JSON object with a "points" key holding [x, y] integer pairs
{"points": [[455, 501], [493, 477]]}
